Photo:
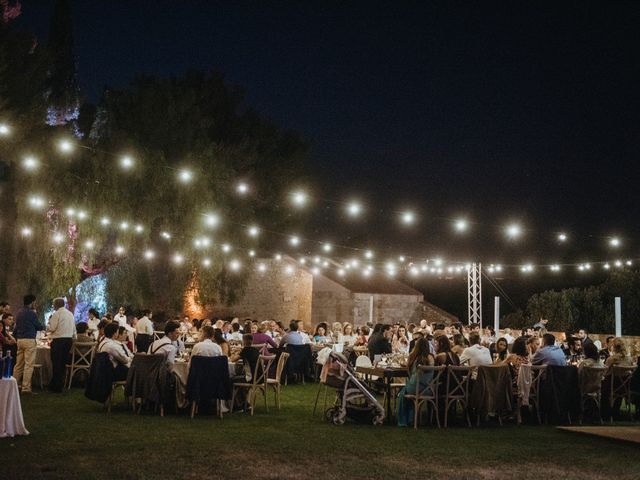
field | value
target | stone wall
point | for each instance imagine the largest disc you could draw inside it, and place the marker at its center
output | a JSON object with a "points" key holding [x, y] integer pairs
{"points": [[273, 294], [433, 314]]}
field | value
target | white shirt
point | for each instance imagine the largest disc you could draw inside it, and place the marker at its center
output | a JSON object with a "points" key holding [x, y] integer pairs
{"points": [[118, 353], [509, 338], [145, 326], [165, 347], [122, 321], [206, 348], [93, 326], [348, 339], [476, 355], [61, 324], [235, 336]]}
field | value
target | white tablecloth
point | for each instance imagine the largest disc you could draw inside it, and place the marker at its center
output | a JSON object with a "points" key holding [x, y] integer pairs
{"points": [[11, 421]]}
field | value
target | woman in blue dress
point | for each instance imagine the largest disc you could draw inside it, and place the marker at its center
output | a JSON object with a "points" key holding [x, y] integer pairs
{"points": [[419, 356]]}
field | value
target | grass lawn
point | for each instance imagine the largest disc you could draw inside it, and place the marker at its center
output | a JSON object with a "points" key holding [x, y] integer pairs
{"points": [[72, 437]]}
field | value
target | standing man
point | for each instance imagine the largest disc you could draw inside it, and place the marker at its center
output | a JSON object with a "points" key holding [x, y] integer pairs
{"points": [[61, 329], [144, 332], [27, 325], [121, 318]]}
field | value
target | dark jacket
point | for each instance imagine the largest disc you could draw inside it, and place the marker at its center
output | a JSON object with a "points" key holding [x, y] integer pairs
{"points": [[378, 345], [492, 390], [300, 359], [100, 378], [209, 379], [560, 393], [149, 378]]}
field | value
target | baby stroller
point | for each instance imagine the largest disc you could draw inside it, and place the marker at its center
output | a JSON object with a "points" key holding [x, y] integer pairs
{"points": [[353, 400]]}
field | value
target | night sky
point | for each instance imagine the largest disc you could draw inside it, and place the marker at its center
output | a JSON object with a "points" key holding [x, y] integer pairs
{"points": [[499, 111]]}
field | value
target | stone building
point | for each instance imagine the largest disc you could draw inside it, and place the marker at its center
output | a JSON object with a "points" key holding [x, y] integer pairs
{"points": [[283, 290], [279, 291], [357, 300]]}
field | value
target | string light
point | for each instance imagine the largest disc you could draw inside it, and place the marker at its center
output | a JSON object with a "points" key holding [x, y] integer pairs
{"points": [[165, 235], [206, 262], [562, 237], [149, 254], [614, 242], [82, 215], [185, 175], [253, 231], [252, 253], [65, 146], [277, 257], [606, 266], [37, 202], [26, 232], [235, 265], [57, 238], [124, 226], [289, 270], [408, 218], [212, 220], [327, 247], [299, 198], [126, 162], [514, 231], [294, 241], [461, 225], [120, 250], [226, 248], [262, 267], [528, 268], [354, 209], [554, 268], [242, 188], [105, 221], [89, 244], [178, 259], [30, 163], [368, 254], [4, 129], [138, 228]]}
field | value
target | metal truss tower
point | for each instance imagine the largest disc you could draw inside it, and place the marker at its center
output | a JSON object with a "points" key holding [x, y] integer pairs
{"points": [[474, 293]]}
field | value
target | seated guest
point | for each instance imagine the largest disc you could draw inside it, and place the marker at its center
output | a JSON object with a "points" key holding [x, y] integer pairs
{"points": [[248, 354], [400, 342], [502, 350], [417, 334], [222, 343], [206, 347], [100, 330], [508, 337], [259, 337], [533, 344], [235, 334], [618, 354], [292, 337], [186, 325], [9, 343], [93, 321], [165, 345], [419, 356], [444, 355], [119, 356], [347, 336], [549, 354], [574, 349], [81, 333], [459, 344], [475, 355], [380, 340], [591, 356], [320, 335], [363, 338], [123, 338], [519, 356]]}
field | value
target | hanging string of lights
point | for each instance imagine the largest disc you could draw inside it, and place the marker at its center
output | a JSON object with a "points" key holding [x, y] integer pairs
{"points": [[362, 259]]}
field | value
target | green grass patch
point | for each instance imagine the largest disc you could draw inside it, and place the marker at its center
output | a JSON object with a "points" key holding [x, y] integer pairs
{"points": [[72, 437]]}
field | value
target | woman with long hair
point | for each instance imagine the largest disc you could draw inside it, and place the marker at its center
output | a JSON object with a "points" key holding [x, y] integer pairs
{"points": [[419, 356], [444, 355]]}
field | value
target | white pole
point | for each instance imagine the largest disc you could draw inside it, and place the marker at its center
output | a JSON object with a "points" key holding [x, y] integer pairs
{"points": [[496, 315], [371, 309], [618, 317]]}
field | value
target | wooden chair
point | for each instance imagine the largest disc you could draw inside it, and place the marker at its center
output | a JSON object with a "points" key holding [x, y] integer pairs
{"points": [[457, 391], [157, 335], [81, 358], [427, 395], [590, 379], [275, 381], [258, 383], [114, 386], [360, 351], [620, 387], [537, 373]]}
